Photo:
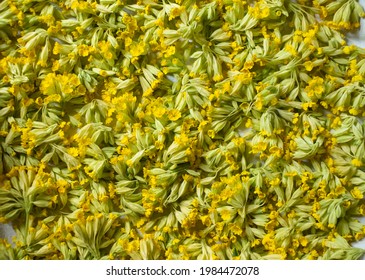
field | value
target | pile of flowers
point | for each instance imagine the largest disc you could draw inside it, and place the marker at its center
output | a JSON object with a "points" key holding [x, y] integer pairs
{"points": [[213, 129]]}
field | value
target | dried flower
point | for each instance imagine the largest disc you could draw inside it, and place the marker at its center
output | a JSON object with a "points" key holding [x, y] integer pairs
{"points": [[181, 130]]}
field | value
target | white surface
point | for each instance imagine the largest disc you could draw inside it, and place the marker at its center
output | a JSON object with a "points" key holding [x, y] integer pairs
{"points": [[358, 38], [6, 231], [181, 270]]}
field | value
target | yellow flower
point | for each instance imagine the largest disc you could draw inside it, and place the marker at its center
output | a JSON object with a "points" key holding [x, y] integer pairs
{"points": [[245, 77], [105, 49], [175, 12], [356, 193], [308, 65], [159, 112], [56, 48], [169, 51], [356, 162], [137, 49], [225, 214], [174, 115], [315, 87], [83, 50], [63, 85]]}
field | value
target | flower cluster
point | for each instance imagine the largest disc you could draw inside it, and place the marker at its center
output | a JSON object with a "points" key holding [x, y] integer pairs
{"points": [[212, 129]]}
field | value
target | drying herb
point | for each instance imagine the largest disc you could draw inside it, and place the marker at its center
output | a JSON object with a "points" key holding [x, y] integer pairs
{"points": [[181, 130]]}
